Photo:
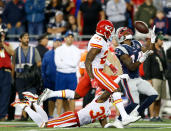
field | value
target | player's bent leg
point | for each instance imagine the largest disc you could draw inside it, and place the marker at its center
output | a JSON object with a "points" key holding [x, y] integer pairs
{"points": [[145, 88], [104, 81], [36, 117], [67, 119], [47, 93], [40, 111], [83, 87]]}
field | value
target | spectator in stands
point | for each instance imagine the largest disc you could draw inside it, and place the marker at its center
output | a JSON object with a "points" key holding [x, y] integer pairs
{"points": [[41, 47], [25, 56], [115, 11], [154, 68], [35, 16], [91, 11], [49, 72], [130, 14], [69, 7], [167, 10], [14, 17], [146, 12], [168, 73], [42, 44], [6, 52], [52, 8], [58, 26], [1, 7], [72, 24], [67, 58], [161, 23]]}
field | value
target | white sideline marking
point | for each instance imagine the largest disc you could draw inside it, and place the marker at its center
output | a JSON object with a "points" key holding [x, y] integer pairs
{"points": [[24, 123], [149, 124]]}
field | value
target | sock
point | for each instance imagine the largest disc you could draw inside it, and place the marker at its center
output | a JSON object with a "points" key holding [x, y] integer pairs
{"points": [[119, 104], [148, 101], [67, 119], [63, 93], [129, 108], [41, 112], [34, 116], [117, 80]]}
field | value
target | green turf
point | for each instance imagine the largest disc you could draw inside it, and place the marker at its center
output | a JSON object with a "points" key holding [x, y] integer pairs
{"points": [[138, 126]]}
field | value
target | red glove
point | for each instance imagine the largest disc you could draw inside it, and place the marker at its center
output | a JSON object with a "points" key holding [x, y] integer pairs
{"points": [[94, 83], [114, 69]]}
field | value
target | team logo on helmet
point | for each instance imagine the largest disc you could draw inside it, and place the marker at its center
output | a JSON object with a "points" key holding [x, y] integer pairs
{"points": [[105, 28], [122, 33]]}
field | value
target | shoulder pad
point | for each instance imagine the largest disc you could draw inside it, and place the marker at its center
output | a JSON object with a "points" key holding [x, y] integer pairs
{"points": [[122, 48]]}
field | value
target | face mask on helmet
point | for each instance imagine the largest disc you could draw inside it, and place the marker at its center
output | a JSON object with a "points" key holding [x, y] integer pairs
{"points": [[111, 36], [123, 33]]}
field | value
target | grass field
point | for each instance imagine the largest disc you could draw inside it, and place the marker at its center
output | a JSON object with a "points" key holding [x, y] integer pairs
{"points": [[138, 126]]}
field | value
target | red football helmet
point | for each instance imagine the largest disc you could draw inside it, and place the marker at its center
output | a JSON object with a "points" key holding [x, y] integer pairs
{"points": [[105, 28]]}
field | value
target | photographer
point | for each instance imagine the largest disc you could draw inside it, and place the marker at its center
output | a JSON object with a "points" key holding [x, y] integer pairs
{"points": [[6, 52], [24, 58]]}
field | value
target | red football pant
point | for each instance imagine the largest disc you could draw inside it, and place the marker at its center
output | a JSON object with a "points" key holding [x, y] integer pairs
{"points": [[104, 81]]}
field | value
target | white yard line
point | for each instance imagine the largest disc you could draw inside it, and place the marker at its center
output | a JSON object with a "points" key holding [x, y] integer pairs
{"points": [[149, 124], [11, 123]]}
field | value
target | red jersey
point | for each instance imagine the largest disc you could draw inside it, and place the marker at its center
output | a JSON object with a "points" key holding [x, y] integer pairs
{"points": [[5, 62]]}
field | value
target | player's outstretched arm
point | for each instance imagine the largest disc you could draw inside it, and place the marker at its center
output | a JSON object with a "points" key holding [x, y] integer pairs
{"points": [[126, 59], [153, 40]]}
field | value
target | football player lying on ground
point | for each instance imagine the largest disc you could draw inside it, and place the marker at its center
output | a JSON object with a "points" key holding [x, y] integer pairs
{"points": [[92, 112], [116, 96]]}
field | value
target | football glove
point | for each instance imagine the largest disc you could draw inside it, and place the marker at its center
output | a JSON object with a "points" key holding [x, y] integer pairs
{"points": [[143, 56], [153, 36]]}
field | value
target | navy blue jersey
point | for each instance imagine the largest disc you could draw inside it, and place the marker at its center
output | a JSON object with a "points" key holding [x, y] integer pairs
{"points": [[133, 52]]}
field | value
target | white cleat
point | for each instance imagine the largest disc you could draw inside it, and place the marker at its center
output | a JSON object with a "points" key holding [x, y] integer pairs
{"points": [[20, 104], [30, 97], [130, 119], [116, 124], [43, 96]]}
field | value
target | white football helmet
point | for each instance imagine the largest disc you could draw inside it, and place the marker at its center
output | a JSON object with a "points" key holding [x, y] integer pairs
{"points": [[123, 33]]}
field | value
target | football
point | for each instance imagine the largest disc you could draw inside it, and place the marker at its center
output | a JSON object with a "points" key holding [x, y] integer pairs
{"points": [[141, 27]]}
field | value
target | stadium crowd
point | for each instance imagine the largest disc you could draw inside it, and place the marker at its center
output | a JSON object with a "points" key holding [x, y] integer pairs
{"points": [[32, 69]]}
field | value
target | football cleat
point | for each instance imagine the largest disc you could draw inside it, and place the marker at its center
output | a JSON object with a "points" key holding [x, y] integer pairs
{"points": [[43, 96], [30, 97], [20, 104], [116, 124], [130, 119]]}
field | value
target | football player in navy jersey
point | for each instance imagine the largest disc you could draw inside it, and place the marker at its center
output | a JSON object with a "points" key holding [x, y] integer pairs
{"points": [[130, 53]]}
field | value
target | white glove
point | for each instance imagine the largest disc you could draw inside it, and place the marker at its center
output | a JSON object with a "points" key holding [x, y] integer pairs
{"points": [[124, 76], [143, 56], [153, 36]]}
